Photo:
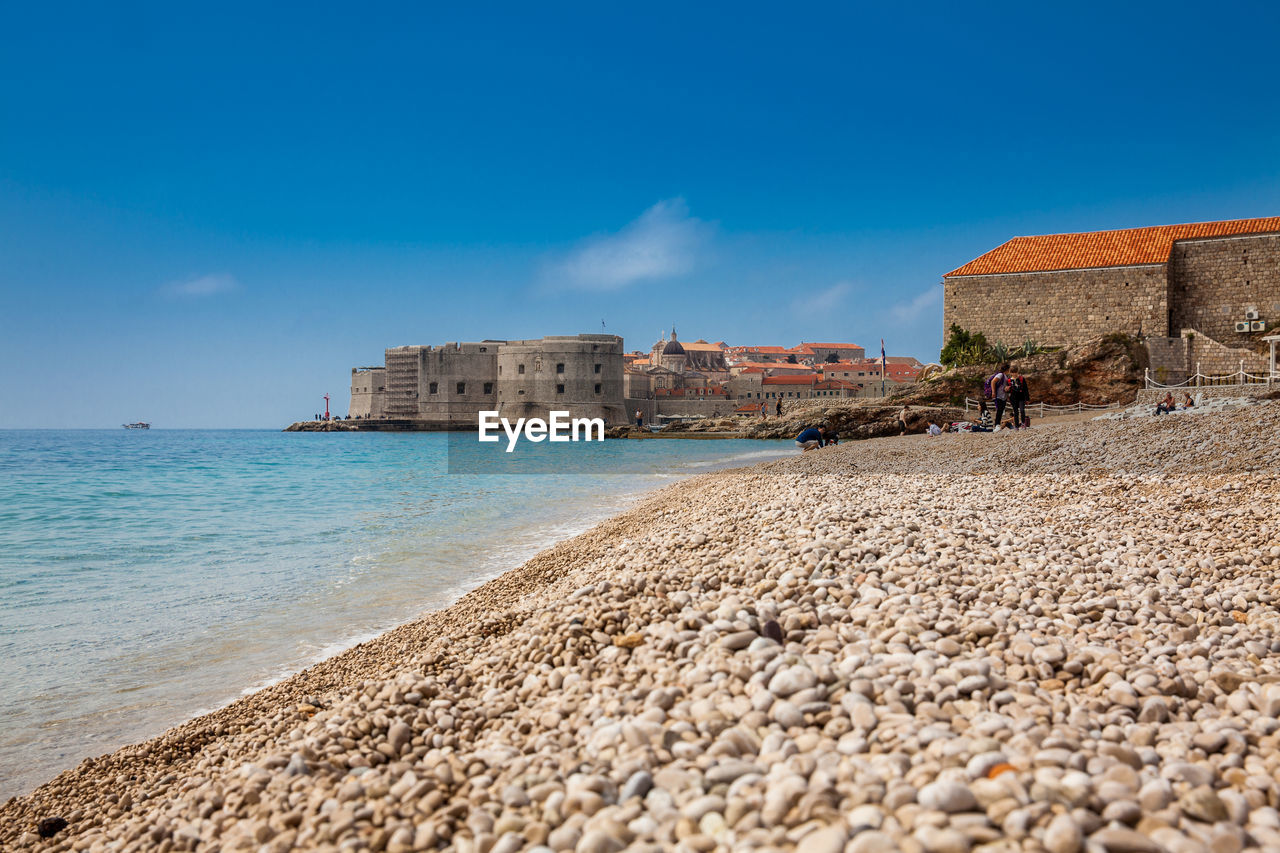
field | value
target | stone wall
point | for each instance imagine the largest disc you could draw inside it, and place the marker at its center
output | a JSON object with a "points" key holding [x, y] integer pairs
{"points": [[1205, 355], [1214, 281], [580, 374], [1151, 396], [1167, 358], [1059, 308], [457, 381], [368, 392]]}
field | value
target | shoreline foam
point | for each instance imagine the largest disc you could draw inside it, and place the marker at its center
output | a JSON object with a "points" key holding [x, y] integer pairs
{"points": [[673, 595]]}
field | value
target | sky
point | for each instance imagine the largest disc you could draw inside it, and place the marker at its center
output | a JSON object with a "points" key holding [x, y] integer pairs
{"points": [[209, 214]]}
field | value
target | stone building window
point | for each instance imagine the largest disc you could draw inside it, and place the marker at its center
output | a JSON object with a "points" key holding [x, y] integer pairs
{"points": [[597, 368], [484, 349], [559, 389], [488, 387], [597, 387], [559, 368], [431, 389], [462, 387], [520, 370]]}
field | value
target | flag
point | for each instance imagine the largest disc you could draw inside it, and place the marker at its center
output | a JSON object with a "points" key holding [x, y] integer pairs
{"points": [[882, 357]]}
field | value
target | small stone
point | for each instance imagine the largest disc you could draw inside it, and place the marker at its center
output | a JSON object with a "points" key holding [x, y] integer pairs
{"points": [[1116, 840], [398, 736], [1154, 710], [598, 841], [637, 785], [785, 714], [1210, 742], [828, 839], [872, 842], [50, 826], [738, 640], [936, 840], [1204, 804], [792, 680], [1063, 835], [947, 797]]}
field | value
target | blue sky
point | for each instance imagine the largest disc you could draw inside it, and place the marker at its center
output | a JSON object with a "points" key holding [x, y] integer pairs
{"points": [[207, 216]]}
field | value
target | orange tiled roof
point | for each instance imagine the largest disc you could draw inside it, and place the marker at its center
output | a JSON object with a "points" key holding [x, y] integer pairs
{"points": [[810, 346], [1126, 247]]}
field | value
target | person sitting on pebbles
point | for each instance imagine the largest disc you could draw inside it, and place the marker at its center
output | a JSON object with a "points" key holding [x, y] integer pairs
{"points": [[809, 439], [1166, 405], [1187, 401]]}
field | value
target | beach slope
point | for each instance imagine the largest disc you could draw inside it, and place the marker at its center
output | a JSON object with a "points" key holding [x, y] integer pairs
{"points": [[1061, 639]]}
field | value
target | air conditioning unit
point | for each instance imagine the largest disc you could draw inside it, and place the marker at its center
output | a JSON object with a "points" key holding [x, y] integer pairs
{"points": [[1258, 326], [1242, 326], [1251, 314]]}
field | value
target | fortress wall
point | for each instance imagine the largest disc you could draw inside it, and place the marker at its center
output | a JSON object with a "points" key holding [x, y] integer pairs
{"points": [[368, 392], [1059, 308], [1213, 281], [456, 381], [580, 374], [715, 408]]}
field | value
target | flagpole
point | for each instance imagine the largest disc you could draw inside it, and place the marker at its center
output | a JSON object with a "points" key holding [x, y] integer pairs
{"points": [[882, 362]]}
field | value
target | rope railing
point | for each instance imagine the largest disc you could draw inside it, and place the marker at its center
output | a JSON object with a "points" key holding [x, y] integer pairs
{"points": [[1044, 408], [1209, 380]]}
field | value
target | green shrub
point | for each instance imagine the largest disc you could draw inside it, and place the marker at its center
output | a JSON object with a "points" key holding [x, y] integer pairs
{"points": [[964, 348]]}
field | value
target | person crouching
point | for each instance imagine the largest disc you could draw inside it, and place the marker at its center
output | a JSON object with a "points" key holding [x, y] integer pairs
{"points": [[809, 439]]}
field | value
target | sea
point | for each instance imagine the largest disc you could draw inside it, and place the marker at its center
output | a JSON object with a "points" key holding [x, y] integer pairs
{"points": [[149, 576]]}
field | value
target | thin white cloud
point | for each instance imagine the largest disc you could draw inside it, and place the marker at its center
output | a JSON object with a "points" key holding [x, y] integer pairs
{"points": [[664, 242], [912, 310], [202, 286], [823, 300]]}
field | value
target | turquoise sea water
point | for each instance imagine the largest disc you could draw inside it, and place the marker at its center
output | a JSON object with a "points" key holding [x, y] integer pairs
{"points": [[147, 576]]}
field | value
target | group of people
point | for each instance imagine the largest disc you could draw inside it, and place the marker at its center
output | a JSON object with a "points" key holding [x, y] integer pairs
{"points": [[1168, 405], [764, 408], [1009, 390]]}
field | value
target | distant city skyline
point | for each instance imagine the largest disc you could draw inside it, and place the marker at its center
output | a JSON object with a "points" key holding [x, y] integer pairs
{"points": [[208, 216]]}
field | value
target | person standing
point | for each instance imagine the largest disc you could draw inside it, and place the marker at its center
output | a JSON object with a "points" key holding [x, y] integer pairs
{"points": [[639, 418], [779, 407], [763, 409], [1000, 391], [1018, 396]]}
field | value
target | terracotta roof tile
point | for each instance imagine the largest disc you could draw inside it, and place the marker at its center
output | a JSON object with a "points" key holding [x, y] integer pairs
{"points": [[1126, 247]]}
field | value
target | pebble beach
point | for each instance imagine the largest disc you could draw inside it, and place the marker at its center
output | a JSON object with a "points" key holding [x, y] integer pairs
{"points": [[1062, 639]]}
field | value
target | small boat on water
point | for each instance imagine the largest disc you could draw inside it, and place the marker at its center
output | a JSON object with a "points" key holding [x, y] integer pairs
{"points": [[138, 425]]}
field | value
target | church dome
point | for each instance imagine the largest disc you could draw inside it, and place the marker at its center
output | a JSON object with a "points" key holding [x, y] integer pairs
{"points": [[673, 348]]}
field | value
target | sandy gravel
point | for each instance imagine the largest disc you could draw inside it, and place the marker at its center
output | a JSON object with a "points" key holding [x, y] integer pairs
{"points": [[1061, 639]]}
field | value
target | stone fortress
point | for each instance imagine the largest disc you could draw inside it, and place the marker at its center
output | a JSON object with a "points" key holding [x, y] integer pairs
{"points": [[1202, 295], [446, 387]]}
